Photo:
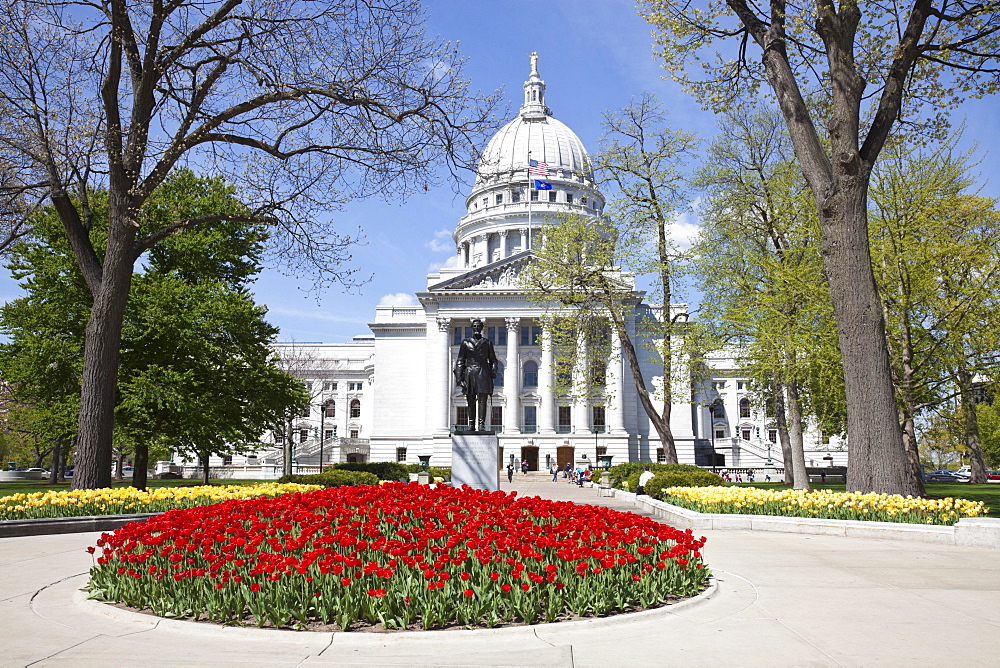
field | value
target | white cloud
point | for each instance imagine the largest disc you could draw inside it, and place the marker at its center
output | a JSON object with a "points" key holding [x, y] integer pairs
{"points": [[398, 299], [683, 230], [450, 263], [442, 242]]}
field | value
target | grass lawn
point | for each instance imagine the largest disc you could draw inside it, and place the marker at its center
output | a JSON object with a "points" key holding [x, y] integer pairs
{"points": [[988, 494], [31, 486]]}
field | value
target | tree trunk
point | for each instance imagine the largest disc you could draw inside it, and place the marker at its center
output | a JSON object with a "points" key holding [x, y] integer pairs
{"points": [[911, 446], [140, 465], [286, 464], [781, 422], [100, 358], [794, 412], [971, 428], [877, 456], [55, 473], [662, 426], [204, 467]]}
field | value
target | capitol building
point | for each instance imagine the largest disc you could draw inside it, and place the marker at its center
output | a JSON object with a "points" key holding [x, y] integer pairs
{"points": [[391, 396]]}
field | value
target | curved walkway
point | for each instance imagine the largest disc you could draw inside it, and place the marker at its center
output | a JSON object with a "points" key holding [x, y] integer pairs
{"points": [[781, 599]]}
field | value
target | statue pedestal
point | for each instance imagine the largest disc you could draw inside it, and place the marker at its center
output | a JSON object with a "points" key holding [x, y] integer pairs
{"points": [[475, 460]]}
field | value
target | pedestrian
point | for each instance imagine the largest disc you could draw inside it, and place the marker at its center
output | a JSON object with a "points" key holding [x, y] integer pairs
{"points": [[510, 472], [555, 473], [569, 467], [524, 467], [750, 476], [767, 477], [645, 477]]}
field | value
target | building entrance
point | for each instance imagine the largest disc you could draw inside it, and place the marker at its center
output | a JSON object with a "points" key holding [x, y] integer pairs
{"points": [[564, 456], [530, 454]]}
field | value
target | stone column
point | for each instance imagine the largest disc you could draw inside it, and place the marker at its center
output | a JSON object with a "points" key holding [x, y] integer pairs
{"points": [[581, 408], [458, 251], [524, 238], [438, 377], [615, 411], [546, 388], [512, 381], [504, 252], [479, 251]]}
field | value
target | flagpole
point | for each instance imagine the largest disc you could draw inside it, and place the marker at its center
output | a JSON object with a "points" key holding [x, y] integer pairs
{"points": [[528, 167]]}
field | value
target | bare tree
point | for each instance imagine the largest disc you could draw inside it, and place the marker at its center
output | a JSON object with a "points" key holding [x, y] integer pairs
{"points": [[303, 105]]}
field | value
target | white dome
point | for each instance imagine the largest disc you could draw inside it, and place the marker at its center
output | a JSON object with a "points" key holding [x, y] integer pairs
{"points": [[547, 139]]}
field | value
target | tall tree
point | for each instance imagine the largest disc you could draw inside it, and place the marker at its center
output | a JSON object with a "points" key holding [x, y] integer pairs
{"points": [[303, 105], [759, 264], [196, 370], [639, 163], [934, 243], [876, 65]]}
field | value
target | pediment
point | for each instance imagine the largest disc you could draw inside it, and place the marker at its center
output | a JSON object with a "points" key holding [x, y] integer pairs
{"points": [[500, 275]]}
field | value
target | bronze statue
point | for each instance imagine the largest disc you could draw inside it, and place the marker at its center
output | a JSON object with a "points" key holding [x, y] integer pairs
{"points": [[475, 369]]}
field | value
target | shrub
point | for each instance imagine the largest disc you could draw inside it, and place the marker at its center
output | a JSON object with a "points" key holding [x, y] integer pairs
{"points": [[384, 470], [333, 478], [629, 472], [661, 481], [435, 471]]}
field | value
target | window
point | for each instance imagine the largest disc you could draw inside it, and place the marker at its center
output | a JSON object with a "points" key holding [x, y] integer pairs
{"points": [[456, 339], [718, 411], [330, 409], [329, 386], [661, 456], [772, 435], [308, 385], [251, 460], [552, 195], [515, 196], [355, 408], [564, 416], [720, 433], [400, 454], [499, 199], [598, 373], [530, 419], [534, 195], [305, 412], [744, 408], [530, 374], [279, 437], [602, 450], [745, 433], [491, 334], [227, 460], [486, 201], [597, 420], [303, 435], [496, 416], [569, 198], [354, 433], [530, 335], [583, 200], [769, 409], [502, 336], [740, 385], [498, 381], [329, 433], [462, 416]]}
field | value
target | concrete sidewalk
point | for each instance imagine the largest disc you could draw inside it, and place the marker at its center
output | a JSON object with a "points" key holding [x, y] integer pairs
{"points": [[781, 599]]}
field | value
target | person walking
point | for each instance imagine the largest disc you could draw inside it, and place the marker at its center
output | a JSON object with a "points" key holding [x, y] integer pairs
{"points": [[645, 477], [569, 467], [524, 467], [510, 472], [555, 472]]}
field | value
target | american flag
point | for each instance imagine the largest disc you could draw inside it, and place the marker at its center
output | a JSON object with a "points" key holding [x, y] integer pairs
{"points": [[539, 168]]}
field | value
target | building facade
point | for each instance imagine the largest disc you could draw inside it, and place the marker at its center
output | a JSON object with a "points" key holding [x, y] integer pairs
{"points": [[391, 395]]}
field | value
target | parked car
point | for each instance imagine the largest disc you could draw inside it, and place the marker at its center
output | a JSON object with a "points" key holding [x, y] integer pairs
{"points": [[964, 472], [993, 475], [36, 470], [943, 476]]}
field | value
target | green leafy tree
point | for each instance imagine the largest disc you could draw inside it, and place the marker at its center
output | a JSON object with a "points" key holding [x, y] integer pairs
{"points": [[196, 372], [934, 244], [302, 105], [585, 267], [759, 261], [876, 66]]}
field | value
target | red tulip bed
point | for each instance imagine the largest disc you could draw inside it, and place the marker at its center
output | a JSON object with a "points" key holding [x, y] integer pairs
{"points": [[395, 557]]}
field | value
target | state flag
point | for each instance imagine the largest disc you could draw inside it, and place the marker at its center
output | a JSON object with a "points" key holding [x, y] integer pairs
{"points": [[543, 185]]}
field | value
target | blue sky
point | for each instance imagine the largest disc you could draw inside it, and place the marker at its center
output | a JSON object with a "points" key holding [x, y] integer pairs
{"points": [[594, 55]]}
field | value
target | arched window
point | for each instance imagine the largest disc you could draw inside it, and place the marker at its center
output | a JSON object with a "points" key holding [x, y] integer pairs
{"points": [[330, 409], [498, 381], [744, 408], [530, 374], [355, 408]]}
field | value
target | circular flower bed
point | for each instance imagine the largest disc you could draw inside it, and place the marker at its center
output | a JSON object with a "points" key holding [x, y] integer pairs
{"points": [[395, 556]]}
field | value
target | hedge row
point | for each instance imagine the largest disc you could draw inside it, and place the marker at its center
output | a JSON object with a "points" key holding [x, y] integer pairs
{"points": [[333, 478], [622, 473]]}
